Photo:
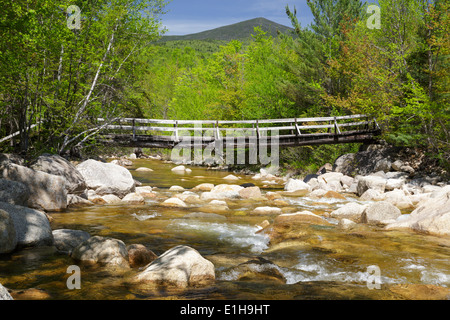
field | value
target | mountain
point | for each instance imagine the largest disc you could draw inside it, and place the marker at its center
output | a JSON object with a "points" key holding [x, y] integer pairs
{"points": [[238, 31]]}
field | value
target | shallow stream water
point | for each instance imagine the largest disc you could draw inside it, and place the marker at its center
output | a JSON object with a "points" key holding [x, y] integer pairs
{"points": [[331, 264]]}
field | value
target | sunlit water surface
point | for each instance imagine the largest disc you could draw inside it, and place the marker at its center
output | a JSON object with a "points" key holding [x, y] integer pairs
{"points": [[332, 264]]}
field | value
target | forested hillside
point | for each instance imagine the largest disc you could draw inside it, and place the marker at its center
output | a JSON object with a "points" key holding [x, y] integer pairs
{"points": [[237, 31], [113, 66]]}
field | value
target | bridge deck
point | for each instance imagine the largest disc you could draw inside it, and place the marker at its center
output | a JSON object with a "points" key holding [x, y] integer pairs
{"points": [[285, 132]]}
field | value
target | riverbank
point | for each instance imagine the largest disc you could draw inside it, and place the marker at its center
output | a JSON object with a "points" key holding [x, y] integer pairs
{"points": [[170, 204]]}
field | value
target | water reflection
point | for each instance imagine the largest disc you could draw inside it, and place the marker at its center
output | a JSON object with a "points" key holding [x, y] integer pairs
{"points": [[329, 263]]}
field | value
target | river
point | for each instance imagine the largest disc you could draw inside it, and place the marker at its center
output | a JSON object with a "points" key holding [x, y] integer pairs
{"points": [[332, 264]]}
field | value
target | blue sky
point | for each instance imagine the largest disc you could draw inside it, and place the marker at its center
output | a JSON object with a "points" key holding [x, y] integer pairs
{"points": [[191, 16]]}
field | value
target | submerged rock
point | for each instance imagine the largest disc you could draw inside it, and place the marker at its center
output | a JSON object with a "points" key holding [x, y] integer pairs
{"points": [[293, 225], [66, 240], [257, 269]]}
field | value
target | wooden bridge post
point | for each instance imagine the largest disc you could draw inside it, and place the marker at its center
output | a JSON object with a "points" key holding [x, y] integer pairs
{"points": [[134, 129], [336, 127], [177, 139], [297, 129]]}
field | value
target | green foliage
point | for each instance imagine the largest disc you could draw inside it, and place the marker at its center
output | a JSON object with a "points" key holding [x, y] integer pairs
{"points": [[64, 79]]}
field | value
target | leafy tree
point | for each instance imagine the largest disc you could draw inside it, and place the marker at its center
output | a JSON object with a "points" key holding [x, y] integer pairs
{"points": [[64, 79]]}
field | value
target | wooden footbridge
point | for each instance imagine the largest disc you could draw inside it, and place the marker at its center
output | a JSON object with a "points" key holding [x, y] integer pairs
{"points": [[148, 133]]}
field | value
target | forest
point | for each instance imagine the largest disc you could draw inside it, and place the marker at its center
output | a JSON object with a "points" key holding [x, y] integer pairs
{"points": [[56, 80]]}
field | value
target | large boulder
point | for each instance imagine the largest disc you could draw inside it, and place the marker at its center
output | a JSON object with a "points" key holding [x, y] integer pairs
{"points": [[351, 211], [8, 158], [371, 182], [369, 160], [250, 193], [296, 185], [14, 192], [32, 226], [380, 213], [181, 266], [4, 294], [66, 240], [431, 216], [101, 250], [399, 199], [47, 192], [58, 166], [140, 256], [8, 238], [107, 178]]}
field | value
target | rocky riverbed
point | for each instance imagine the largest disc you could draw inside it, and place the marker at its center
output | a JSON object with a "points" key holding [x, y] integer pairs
{"points": [[148, 223]]}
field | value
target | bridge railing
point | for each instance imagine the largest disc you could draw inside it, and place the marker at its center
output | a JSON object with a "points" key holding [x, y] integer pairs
{"points": [[282, 127]]}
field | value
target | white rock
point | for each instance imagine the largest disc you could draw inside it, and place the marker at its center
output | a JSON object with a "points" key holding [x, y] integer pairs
{"points": [[346, 224], [218, 203], [143, 169], [295, 185], [351, 211], [392, 184], [133, 198], [104, 251], [179, 169], [431, 216], [181, 266], [380, 213], [204, 187], [111, 199], [221, 192], [398, 199], [231, 177], [372, 195], [371, 182], [176, 188], [174, 202], [107, 178]]}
